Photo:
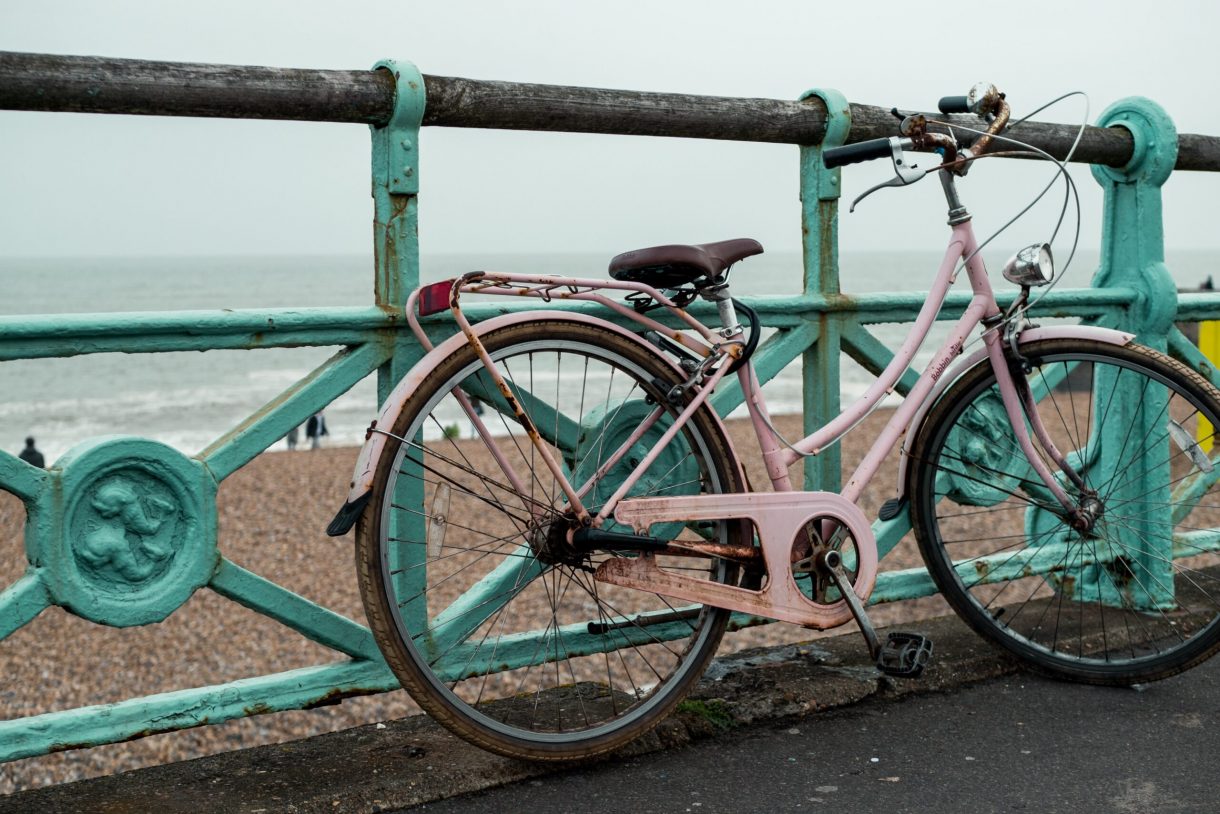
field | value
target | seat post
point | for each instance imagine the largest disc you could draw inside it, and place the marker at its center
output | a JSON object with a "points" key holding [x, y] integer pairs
{"points": [[719, 294]]}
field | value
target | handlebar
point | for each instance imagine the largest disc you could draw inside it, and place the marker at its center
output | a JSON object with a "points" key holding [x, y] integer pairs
{"points": [[855, 153], [983, 100], [954, 104]]}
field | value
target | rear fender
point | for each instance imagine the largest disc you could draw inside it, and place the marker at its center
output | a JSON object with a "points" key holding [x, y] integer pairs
{"points": [[1107, 335], [376, 442]]}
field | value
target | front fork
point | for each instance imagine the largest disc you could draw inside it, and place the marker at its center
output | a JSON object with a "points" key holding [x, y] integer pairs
{"points": [[1010, 370]]}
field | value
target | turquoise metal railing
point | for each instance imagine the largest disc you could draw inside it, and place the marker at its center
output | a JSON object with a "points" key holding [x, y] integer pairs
{"points": [[69, 564]]}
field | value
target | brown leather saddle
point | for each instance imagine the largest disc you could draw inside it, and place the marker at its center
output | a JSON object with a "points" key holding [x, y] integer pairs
{"points": [[674, 266]]}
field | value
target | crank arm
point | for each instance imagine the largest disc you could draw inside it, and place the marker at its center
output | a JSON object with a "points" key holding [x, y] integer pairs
{"points": [[832, 563]]}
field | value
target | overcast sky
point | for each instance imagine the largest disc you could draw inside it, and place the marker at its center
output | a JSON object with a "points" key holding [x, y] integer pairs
{"points": [[75, 184]]}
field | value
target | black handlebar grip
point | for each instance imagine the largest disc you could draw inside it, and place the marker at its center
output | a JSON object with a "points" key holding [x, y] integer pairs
{"points": [[854, 153], [954, 104]]}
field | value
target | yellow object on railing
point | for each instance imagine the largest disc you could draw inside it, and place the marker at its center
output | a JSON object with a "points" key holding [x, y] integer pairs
{"points": [[1209, 343]]}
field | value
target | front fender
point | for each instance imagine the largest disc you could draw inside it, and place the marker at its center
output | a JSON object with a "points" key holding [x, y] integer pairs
{"points": [[1107, 335], [375, 442]]}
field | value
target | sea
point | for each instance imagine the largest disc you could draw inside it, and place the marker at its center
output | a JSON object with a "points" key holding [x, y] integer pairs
{"points": [[188, 399]]}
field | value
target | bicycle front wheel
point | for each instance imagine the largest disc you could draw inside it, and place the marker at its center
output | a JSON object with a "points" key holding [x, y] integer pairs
{"points": [[1135, 595], [483, 608]]}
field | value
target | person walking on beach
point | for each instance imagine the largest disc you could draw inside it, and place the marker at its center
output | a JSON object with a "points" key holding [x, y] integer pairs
{"points": [[292, 436], [315, 428], [32, 456]]}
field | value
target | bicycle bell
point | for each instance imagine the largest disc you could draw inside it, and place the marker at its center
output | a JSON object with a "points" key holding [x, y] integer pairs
{"points": [[982, 98], [1032, 266]]}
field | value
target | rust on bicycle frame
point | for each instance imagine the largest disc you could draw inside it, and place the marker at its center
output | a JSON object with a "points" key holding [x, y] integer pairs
{"points": [[548, 293], [739, 552], [579, 511]]}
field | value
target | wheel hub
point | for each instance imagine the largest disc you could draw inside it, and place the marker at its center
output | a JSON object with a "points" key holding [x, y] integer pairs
{"points": [[1086, 514], [549, 540]]}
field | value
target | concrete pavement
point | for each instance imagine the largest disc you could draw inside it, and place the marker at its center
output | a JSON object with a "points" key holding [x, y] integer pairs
{"points": [[1015, 744]]}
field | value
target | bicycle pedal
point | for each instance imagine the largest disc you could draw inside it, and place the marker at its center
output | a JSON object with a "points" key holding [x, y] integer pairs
{"points": [[904, 655], [891, 508]]}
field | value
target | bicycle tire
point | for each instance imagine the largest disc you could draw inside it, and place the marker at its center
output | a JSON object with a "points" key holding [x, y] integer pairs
{"points": [[1113, 608], [620, 693]]}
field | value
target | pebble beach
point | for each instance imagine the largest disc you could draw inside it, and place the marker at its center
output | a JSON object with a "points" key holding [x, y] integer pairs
{"points": [[271, 519]]}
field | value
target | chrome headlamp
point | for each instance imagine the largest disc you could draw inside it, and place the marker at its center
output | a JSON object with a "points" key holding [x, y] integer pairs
{"points": [[1032, 266]]}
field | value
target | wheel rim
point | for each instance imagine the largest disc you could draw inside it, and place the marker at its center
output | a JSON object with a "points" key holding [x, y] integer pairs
{"points": [[1140, 589], [584, 659]]}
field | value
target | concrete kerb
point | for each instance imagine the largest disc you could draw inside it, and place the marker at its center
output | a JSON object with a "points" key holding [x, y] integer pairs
{"points": [[393, 765]]}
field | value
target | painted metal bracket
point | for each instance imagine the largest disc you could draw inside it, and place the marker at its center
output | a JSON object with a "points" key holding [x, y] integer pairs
{"points": [[399, 137], [396, 185], [827, 184], [1133, 234]]}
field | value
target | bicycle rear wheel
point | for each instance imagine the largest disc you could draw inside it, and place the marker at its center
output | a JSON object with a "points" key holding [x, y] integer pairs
{"points": [[1134, 598], [484, 611]]}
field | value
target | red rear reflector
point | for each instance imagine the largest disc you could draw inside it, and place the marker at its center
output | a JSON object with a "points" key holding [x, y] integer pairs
{"points": [[435, 298]]}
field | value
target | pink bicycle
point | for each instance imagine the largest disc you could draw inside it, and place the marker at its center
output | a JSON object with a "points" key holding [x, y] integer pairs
{"points": [[554, 528]]}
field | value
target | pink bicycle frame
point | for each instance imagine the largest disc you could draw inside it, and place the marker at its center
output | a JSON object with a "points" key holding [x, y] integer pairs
{"points": [[777, 519]]}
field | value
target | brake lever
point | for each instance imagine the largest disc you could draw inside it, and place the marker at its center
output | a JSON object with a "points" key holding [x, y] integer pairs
{"points": [[904, 173]]}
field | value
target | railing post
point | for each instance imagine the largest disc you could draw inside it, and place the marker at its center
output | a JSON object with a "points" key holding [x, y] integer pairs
{"points": [[395, 205], [1133, 257], [820, 190], [396, 248]]}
